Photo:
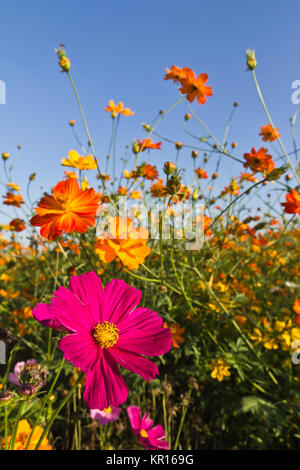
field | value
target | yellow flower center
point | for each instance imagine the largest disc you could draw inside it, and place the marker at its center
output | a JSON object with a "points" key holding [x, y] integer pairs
{"points": [[108, 410], [106, 334], [143, 433]]}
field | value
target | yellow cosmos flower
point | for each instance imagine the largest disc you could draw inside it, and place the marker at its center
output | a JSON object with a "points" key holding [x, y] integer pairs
{"points": [[220, 369], [23, 433], [116, 109], [13, 186], [79, 161]]}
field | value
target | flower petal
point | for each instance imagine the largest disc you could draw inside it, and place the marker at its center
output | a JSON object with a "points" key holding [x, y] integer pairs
{"points": [[88, 289], [137, 364], [119, 300], [42, 314], [104, 384], [142, 332], [68, 310], [80, 350]]}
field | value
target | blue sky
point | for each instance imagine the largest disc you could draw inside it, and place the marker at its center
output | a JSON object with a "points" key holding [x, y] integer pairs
{"points": [[119, 49]]}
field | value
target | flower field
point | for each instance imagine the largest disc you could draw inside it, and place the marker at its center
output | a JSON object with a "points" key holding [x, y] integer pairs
{"points": [[153, 306]]}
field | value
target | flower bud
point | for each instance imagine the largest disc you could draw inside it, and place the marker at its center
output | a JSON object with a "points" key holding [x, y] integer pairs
{"points": [[27, 390], [169, 168], [187, 117], [277, 173], [251, 60], [195, 194], [32, 176], [63, 61], [72, 122], [5, 155], [194, 154], [147, 127], [215, 175], [5, 396], [178, 145], [65, 64], [135, 147]]}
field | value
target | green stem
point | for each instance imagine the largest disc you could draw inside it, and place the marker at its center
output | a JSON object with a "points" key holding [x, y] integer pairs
{"points": [[45, 401], [57, 411], [14, 433], [271, 122]]}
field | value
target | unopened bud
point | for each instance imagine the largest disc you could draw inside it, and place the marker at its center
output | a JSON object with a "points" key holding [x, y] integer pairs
{"points": [[194, 154], [5, 396], [147, 127], [277, 173], [251, 60], [5, 155], [27, 390], [169, 168], [135, 147], [178, 145]]}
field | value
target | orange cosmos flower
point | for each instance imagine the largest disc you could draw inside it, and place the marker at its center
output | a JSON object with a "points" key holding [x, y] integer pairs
{"points": [[158, 189], [259, 161], [201, 173], [147, 171], [248, 177], [292, 206], [176, 332], [124, 242], [195, 87], [123, 191], [233, 188], [13, 199], [269, 133], [116, 109], [296, 306], [147, 144], [22, 436], [17, 225], [135, 195], [71, 174], [69, 209], [177, 74], [79, 161]]}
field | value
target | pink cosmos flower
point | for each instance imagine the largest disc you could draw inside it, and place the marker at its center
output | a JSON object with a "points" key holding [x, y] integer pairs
{"points": [[106, 328], [152, 438], [106, 416]]}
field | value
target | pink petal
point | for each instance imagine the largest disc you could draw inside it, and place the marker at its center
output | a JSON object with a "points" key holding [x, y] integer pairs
{"points": [[70, 312], [104, 384], [137, 364], [158, 444], [134, 415], [157, 432], [142, 332], [147, 423], [88, 289], [119, 300], [42, 314], [80, 350]]}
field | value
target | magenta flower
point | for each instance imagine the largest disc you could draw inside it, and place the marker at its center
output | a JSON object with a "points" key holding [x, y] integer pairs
{"points": [[106, 329], [152, 438], [106, 416]]}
